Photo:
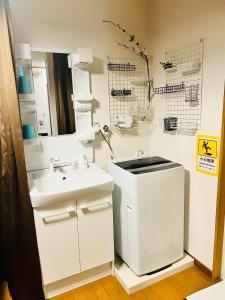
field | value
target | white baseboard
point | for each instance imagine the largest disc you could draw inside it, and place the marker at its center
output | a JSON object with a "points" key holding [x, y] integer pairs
{"points": [[133, 283], [70, 283]]}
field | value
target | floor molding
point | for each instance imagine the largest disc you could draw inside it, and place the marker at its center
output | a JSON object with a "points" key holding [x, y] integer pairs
{"points": [[201, 266]]}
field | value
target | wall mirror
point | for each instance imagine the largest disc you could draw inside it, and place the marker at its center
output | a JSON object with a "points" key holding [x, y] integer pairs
{"points": [[52, 84]]}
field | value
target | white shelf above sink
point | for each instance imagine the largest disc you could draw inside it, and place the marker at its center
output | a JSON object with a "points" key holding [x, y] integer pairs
{"points": [[83, 97]]}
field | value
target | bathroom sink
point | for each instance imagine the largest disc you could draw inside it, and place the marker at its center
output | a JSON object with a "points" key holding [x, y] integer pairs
{"points": [[65, 183]]}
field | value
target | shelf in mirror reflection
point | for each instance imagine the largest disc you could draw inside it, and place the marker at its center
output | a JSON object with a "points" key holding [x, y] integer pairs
{"points": [[27, 97]]}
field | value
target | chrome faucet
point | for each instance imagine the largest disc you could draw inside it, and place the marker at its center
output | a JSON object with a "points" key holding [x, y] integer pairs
{"points": [[52, 163]]}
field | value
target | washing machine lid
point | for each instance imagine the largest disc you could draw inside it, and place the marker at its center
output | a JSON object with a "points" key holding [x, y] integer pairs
{"points": [[147, 164]]}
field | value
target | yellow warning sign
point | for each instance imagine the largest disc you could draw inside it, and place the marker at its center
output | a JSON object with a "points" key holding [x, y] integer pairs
{"points": [[207, 156], [207, 148]]}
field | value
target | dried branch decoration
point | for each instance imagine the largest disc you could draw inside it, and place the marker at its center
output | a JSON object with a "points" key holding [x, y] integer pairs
{"points": [[134, 46]]}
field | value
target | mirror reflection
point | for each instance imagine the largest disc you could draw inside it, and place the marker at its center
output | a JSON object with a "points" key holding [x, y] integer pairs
{"points": [[52, 79]]}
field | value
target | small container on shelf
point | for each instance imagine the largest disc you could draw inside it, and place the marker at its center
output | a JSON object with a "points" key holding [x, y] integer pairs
{"points": [[192, 93], [29, 117], [189, 68], [170, 124], [29, 132], [168, 66], [24, 69], [24, 82], [121, 93]]}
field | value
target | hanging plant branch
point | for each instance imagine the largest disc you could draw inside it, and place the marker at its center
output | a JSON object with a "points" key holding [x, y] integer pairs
{"points": [[134, 46]]}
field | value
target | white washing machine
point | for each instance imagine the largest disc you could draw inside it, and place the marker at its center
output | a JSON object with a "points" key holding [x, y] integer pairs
{"points": [[148, 203]]}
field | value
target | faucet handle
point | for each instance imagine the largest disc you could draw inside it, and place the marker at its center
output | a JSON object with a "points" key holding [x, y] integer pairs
{"points": [[51, 164], [84, 157], [84, 160], [74, 163]]}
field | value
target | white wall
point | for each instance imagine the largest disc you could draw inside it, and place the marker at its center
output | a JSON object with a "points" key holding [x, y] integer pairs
{"points": [[174, 24], [63, 26], [65, 148]]}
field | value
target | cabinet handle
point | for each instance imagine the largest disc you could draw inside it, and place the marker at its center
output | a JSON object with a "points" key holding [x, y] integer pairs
{"points": [[94, 208], [60, 216]]}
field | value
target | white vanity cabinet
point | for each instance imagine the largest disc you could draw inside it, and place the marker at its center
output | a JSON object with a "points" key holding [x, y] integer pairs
{"points": [[75, 237], [74, 225], [57, 238], [95, 226]]}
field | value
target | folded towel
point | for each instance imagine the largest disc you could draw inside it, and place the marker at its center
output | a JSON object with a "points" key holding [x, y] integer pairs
{"points": [[124, 121]]}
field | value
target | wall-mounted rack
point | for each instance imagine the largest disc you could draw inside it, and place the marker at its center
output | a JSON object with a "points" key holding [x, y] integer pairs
{"points": [[121, 67], [169, 89], [186, 105], [132, 89]]}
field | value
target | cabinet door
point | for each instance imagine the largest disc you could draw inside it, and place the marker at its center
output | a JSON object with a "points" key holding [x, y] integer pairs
{"points": [[57, 237], [95, 225]]}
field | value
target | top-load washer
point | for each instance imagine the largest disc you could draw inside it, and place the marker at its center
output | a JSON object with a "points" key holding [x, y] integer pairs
{"points": [[148, 203]]}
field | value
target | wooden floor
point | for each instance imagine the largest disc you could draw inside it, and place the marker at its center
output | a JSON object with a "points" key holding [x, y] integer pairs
{"points": [[176, 287]]}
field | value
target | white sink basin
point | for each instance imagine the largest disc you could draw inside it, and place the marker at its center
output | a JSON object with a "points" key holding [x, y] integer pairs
{"points": [[66, 184]]}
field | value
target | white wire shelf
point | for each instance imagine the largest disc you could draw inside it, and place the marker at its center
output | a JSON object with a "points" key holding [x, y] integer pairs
{"points": [[136, 104], [186, 105]]}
